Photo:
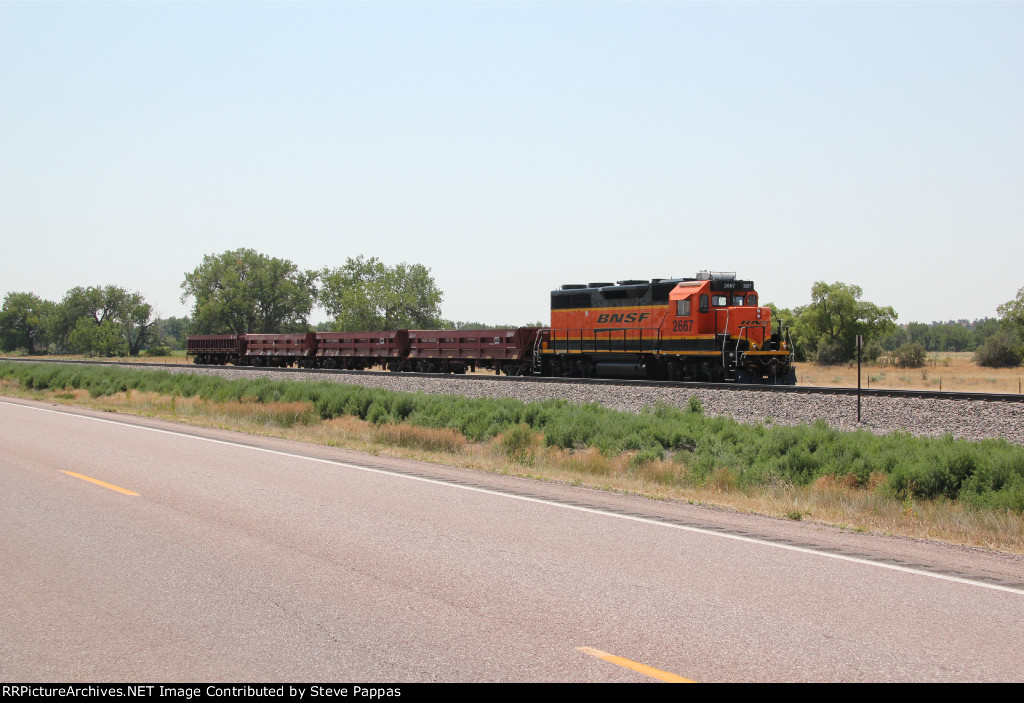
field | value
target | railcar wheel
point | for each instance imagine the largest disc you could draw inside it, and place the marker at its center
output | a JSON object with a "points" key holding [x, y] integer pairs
{"points": [[674, 372]]}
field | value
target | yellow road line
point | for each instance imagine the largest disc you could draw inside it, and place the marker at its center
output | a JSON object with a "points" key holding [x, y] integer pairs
{"points": [[101, 483], [635, 666]]}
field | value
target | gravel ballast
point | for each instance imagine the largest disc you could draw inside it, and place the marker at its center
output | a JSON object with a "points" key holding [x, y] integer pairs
{"points": [[964, 419]]}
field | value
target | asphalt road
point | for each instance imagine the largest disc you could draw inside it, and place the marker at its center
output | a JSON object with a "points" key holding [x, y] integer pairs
{"points": [[249, 559]]}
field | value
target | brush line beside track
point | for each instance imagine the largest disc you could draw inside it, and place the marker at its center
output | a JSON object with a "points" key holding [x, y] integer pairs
{"points": [[469, 378]]}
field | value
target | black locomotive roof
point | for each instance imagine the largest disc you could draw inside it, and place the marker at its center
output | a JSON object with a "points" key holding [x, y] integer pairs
{"points": [[634, 292]]}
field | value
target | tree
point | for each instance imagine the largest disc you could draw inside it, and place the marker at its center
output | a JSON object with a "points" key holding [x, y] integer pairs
{"points": [[1013, 310], [104, 339], [983, 329], [172, 331], [365, 294], [834, 318], [25, 322], [243, 291], [115, 309]]}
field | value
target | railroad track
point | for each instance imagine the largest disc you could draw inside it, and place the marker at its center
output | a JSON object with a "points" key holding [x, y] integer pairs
{"points": [[469, 378]]}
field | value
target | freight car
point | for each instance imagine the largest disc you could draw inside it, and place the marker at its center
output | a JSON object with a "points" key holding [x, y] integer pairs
{"points": [[706, 328]]}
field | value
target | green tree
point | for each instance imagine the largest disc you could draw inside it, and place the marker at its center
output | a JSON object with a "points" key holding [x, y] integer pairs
{"points": [[1012, 311], [172, 331], [119, 310], [243, 291], [365, 294], [106, 338], [827, 328], [25, 322], [950, 336], [983, 329]]}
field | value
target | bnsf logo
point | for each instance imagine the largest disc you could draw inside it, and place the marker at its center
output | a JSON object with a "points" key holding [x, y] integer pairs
{"points": [[622, 317], [763, 323]]}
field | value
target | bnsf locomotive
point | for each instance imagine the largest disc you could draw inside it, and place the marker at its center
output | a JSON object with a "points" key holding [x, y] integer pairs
{"points": [[706, 328]]}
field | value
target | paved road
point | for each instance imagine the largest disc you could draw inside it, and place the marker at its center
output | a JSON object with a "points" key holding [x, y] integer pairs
{"points": [[251, 559]]}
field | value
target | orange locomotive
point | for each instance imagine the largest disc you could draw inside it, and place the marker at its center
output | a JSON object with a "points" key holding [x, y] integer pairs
{"points": [[707, 328]]}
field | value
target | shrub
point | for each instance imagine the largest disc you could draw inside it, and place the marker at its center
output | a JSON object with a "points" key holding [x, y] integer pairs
{"points": [[831, 353], [158, 351], [517, 444], [910, 356], [999, 350]]}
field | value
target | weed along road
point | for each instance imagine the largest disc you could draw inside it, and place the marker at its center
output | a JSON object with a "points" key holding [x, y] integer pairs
{"points": [[141, 550]]}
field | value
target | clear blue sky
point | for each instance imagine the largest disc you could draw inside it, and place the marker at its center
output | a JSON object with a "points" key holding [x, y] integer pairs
{"points": [[512, 147]]}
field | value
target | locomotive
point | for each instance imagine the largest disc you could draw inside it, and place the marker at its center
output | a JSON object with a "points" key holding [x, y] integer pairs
{"points": [[706, 328]]}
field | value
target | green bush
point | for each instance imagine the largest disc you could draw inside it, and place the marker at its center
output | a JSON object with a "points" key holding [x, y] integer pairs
{"points": [[695, 405], [1000, 350], [910, 356], [831, 353]]}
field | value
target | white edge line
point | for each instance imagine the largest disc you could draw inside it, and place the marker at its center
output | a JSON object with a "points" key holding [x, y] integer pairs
{"points": [[543, 501]]}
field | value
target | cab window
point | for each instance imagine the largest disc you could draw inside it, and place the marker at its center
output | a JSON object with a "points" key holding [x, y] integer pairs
{"points": [[704, 302], [683, 308], [720, 301], [752, 301], [737, 300]]}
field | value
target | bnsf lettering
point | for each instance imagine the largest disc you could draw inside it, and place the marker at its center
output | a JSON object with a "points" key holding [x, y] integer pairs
{"points": [[604, 318], [763, 323]]}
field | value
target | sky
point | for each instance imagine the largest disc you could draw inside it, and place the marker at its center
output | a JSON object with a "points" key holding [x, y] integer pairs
{"points": [[512, 147]]}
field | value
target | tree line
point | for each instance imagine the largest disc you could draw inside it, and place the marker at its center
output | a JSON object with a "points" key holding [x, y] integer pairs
{"points": [[240, 291], [826, 329], [243, 291]]}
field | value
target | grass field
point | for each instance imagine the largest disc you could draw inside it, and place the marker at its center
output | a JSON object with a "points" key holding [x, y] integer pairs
{"points": [[949, 371]]}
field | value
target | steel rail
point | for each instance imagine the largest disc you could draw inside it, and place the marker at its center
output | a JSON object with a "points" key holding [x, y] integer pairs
{"points": [[469, 378]]}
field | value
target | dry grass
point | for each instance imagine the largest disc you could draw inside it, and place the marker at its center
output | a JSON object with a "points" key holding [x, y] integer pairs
{"points": [[176, 357], [947, 371], [829, 500]]}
